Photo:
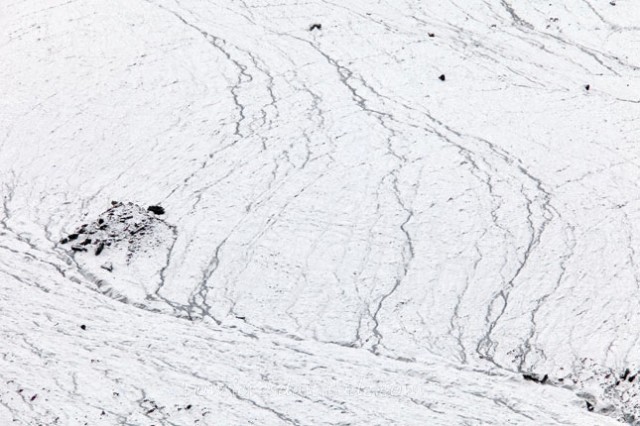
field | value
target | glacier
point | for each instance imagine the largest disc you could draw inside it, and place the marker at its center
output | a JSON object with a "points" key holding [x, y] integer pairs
{"points": [[391, 212]]}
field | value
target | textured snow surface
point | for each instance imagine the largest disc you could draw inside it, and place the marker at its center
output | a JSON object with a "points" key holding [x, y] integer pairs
{"points": [[348, 238]]}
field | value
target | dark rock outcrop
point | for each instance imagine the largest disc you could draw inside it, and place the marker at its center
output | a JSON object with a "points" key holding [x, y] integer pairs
{"points": [[156, 209]]}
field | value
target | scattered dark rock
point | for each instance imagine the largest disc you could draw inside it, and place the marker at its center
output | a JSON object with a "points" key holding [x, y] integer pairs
{"points": [[315, 27], [587, 87], [84, 327], [34, 397], [442, 77], [156, 209], [122, 221], [535, 378], [632, 378], [589, 406], [103, 413], [431, 35], [188, 407], [625, 374], [123, 235], [140, 228]]}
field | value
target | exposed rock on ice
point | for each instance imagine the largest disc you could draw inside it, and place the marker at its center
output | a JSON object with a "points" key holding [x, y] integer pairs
{"points": [[130, 240]]}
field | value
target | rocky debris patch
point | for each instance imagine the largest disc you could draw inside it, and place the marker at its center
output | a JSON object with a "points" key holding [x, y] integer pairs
{"points": [[315, 27], [606, 391], [121, 223], [124, 252]]}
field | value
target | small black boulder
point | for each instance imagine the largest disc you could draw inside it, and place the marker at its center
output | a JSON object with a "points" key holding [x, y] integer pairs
{"points": [[156, 209], [99, 248]]}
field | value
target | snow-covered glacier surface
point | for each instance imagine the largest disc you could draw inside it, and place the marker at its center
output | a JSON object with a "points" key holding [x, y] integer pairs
{"points": [[415, 213]]}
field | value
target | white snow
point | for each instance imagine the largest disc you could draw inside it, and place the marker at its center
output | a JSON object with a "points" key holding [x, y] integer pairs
{"points": [[347, 238]]}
